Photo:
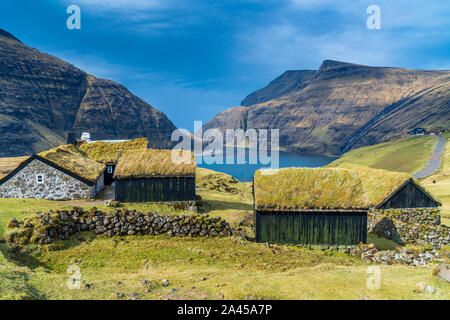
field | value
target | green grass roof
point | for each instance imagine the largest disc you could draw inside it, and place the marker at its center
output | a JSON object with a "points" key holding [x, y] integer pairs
{"points": [[152, 163], [75, 161], [108, 152], [309, 189], [379, 184]]}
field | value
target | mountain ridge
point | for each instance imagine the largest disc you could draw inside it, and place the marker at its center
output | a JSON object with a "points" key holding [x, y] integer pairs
{"points": [[345, 105], [43, 98]]}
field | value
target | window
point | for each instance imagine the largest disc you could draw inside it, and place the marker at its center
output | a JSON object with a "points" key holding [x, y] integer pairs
{"points": [[40, 178], [110, 169]]}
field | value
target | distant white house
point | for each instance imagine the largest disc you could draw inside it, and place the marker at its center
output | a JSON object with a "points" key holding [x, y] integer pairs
{"points": [[86, 136]]}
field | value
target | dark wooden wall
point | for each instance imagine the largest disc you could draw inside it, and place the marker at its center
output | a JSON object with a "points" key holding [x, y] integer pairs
{"points": [[155, 189], [311, 227], [410, 196]]}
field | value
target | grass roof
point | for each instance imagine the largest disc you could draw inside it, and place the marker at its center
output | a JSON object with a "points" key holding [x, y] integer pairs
{"points": [[75, 161], [308, 188], [379, 184], [108, 152], [9, 164], [152, 162]]}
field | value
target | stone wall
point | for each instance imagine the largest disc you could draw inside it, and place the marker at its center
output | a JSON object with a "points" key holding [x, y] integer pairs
{"points": [[410, 226], [47, 227], [56, 185], [99, 185]]}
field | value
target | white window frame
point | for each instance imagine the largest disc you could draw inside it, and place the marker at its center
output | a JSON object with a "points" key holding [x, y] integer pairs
{"points": [[42, 178], [109, 169]]}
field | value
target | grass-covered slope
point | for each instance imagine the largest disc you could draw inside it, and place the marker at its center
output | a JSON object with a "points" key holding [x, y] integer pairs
{"points": [[379, 184], [439, 183], [153, 162], [407, 154], [72, 159], [108, 152], [9, 164], [197, 268]]}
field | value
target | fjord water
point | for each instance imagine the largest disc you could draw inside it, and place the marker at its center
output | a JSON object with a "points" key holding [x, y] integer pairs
{"points": [[244, 171]]}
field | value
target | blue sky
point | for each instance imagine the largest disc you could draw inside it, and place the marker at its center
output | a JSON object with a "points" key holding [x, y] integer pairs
{"points": [[192, 59]]}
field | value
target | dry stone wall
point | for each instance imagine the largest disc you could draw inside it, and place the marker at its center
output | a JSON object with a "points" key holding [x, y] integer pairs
{"points": [[56, 185], [410, 226], [45, 228]]}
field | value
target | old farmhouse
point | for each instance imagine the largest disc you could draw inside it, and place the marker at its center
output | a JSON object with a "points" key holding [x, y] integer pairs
{"points": [[310, 206], [152, 176], [108, 153], [392, 190], [63, 173]]}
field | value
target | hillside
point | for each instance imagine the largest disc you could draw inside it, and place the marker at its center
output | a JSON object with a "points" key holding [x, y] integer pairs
{"points": [[408, 154], [43, 98], [344, 106]]}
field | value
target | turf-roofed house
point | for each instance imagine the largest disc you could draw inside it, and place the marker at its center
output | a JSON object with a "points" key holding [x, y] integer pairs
{"points": [[108, 153], [153, 176], [62, 173], [323, 206], [392, 190]]}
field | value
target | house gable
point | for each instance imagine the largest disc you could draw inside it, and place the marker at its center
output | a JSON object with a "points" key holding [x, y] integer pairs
{"points": [[49, 163], [409, 195], [37, 178]]}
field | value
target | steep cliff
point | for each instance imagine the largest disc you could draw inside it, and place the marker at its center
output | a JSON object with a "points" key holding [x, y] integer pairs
{"points": [[344, 105], [42, 98]]}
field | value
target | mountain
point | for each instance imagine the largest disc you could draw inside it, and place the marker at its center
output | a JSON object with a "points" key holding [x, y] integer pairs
{"points": [[342, 106], [43, 98], [290, 81]]}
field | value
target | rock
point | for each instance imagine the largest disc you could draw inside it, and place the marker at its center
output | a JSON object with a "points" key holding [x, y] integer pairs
{"points": [[12, 223], [133, 296], [202, 279], [144, 282], [165, 283], [430, 289], [420, 287], [442, 271], [88, 285], [112, 203]]}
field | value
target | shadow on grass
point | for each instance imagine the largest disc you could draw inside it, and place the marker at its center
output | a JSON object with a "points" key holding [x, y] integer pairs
{"points": [[25, 255], [16, 277]]}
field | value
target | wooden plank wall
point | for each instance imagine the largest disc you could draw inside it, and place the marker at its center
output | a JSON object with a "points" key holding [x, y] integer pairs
{"points": [[155, 189], [410, 196], [311, 228]]}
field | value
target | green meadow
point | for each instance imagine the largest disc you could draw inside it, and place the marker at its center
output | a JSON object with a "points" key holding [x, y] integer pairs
{"points": [[133, 267]]}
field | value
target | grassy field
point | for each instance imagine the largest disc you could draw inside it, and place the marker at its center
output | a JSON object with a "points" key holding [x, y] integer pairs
{"points": [[407, 154], [197, 268], [439, 183]]}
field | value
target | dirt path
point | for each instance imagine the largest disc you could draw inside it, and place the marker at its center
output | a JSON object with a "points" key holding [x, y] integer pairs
{"points": [[435, 160]]}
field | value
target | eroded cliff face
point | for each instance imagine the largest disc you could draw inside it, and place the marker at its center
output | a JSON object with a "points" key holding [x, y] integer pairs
{"points": [[344, 105], [42, 98]]}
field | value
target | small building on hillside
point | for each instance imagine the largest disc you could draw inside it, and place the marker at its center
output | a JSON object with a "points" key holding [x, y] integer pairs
{"points": [[392, 190], [152, 176], [310, 206], [108, 153], [63, 173]]}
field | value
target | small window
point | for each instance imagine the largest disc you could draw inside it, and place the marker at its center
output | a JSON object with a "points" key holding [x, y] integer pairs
{"points": [[110, 169], [40, 178]]}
